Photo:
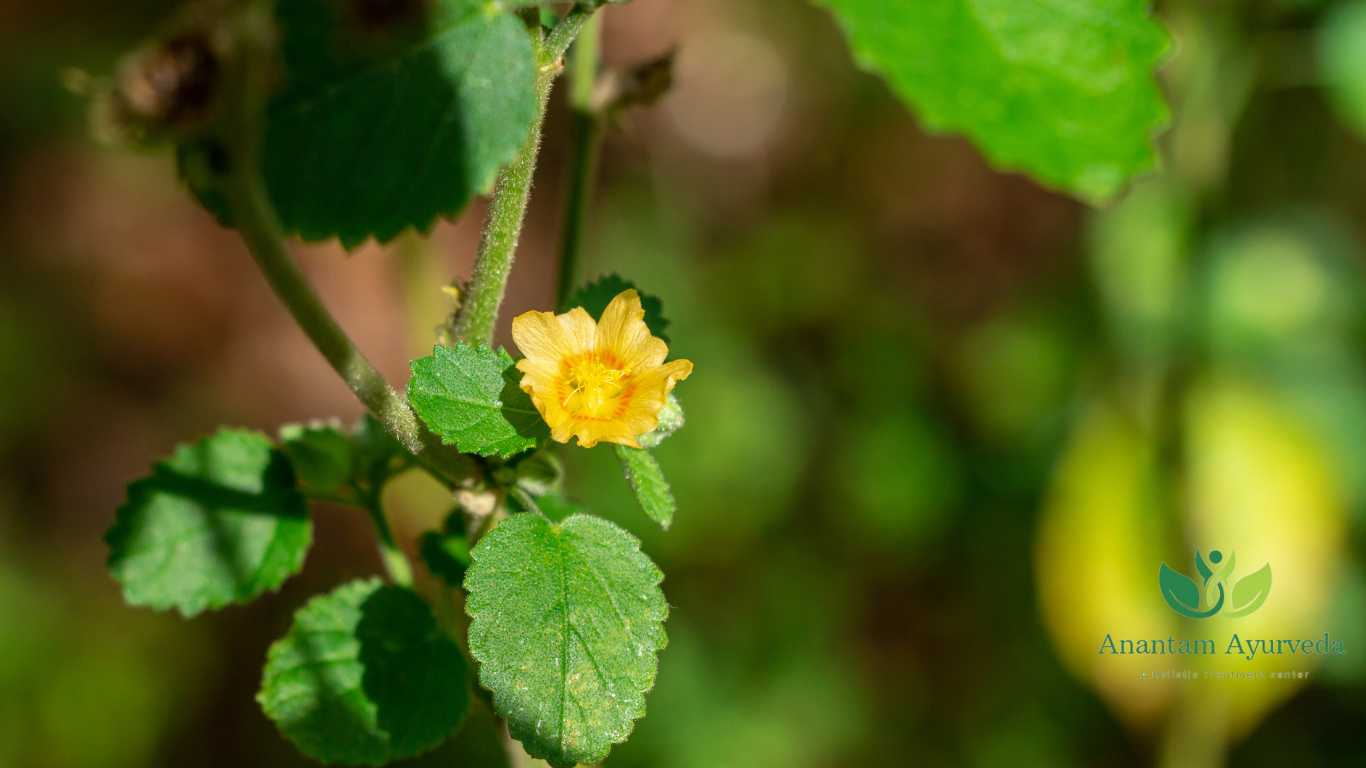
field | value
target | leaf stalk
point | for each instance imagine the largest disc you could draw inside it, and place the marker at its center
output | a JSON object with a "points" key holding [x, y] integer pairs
{"points": [[395, 561]]}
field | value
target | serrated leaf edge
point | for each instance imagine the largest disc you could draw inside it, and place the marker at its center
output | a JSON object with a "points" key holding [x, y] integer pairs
{"points": [[624, 454], [138, 490], [440, 349], [662, 321], [472, 608], [1003, 161], [482, 188], [370, 584]]}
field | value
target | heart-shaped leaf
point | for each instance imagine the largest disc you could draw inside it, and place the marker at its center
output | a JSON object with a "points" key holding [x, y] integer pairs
{"points": [[365, 677], [566, 621]]}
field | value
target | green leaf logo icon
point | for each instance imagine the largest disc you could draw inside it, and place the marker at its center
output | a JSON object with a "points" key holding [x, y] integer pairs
{"points": [[1251, 592], [1210, 596]]}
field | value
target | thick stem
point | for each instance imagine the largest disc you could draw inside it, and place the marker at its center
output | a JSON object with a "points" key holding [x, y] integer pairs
{"points": [[586, 148], [258, 229], [256, 223], [478, 313]]}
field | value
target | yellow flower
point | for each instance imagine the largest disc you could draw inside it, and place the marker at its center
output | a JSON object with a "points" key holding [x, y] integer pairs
{"points": [[598, 381]]}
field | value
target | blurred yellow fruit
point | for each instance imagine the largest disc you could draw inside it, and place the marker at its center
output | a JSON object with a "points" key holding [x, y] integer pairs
{"points": [[1252, 480]]}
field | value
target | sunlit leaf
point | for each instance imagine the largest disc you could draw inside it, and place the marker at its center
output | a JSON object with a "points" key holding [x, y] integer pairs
{"points": [[364, 677], [647, 481], [1342, 58], [218, 522], [566, 621], [1065, 91], [469, 397]]}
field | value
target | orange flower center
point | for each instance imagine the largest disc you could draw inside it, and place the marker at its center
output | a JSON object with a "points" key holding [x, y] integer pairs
{"points": [[593, 385]]}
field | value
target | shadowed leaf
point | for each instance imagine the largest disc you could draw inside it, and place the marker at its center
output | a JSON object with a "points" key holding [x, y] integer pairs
{"points": [[364, 677], [389, 120], [218, 522]]}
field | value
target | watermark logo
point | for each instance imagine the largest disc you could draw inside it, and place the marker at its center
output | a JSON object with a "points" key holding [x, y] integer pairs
{"points": [[1212, 595]]}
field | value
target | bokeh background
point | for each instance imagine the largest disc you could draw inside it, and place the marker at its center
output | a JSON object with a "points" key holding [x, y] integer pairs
{"points": [[945, 423]]}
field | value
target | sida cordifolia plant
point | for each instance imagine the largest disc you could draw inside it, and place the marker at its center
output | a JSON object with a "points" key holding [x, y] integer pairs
{"points": [[364, 119]]}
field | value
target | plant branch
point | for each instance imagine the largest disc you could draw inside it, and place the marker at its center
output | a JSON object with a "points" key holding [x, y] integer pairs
{"points": [[255, 221], [585, 149], [395, 561], [478, 313]]}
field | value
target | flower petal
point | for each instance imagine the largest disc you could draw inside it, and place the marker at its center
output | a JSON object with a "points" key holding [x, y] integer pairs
{"points": [[580, 329], [541, 337], [593, 431], [554, 347], [651, 391], [623, 333]]}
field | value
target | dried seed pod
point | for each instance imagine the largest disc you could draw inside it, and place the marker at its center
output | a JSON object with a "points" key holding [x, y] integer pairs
{"points": [[172, 83], [166, 89]]}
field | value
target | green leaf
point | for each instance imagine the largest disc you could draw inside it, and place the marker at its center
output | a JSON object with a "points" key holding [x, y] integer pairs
{"points": [[1061, 89], [390, 118], [218, 522], [1342, 59], [1251, 592], [364, 677], [647, 480], [595, 296], [348, 465], [321, 454], [478, 744], [566, 621], [469, 396], [446, 554], [1181, 592]]}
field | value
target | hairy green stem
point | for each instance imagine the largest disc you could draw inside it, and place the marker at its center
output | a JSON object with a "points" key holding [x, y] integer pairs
{"points": [[257, 224], [585, 149], [478, 313]]}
